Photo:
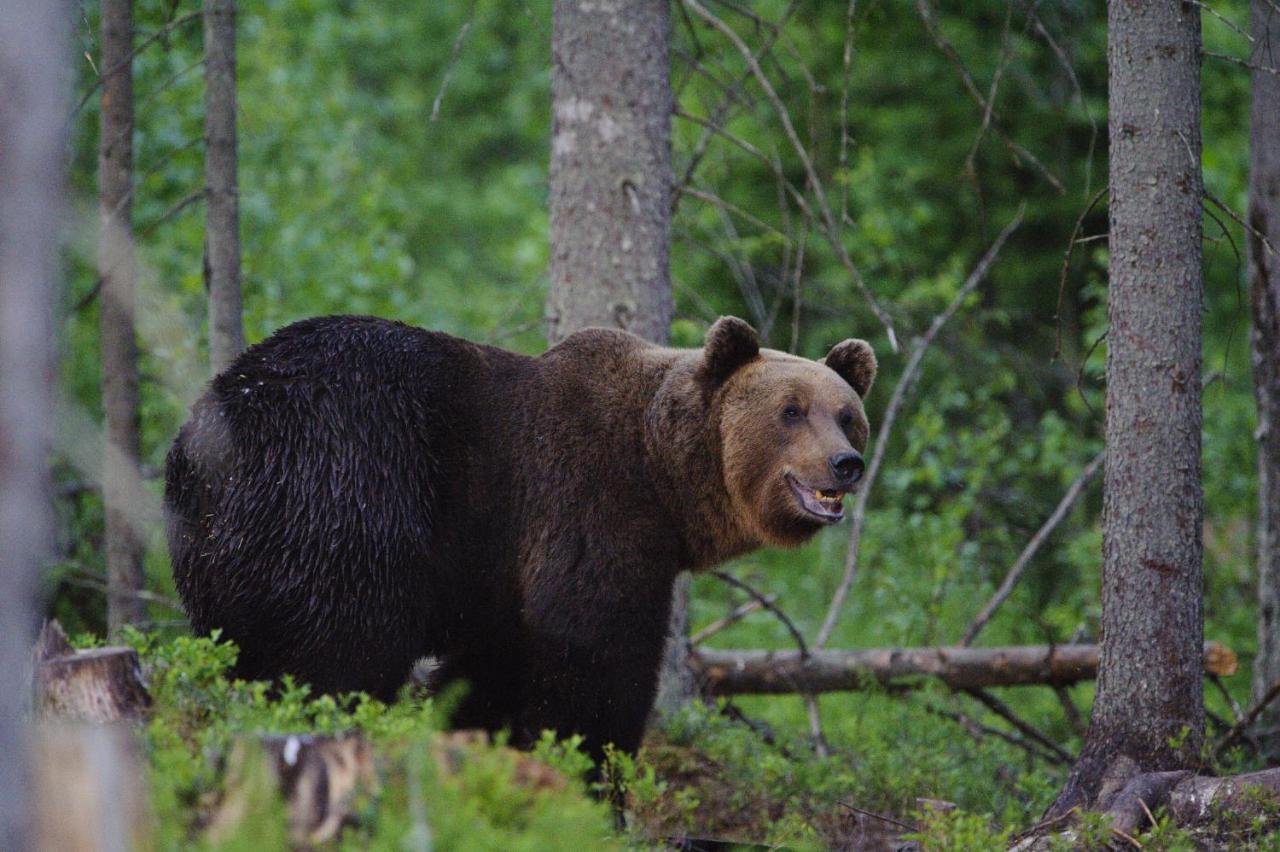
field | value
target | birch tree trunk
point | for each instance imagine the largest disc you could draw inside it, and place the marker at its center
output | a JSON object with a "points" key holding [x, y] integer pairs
{"points": [[222, 201], [33, 42], [1150, 691], [1264, 289], [611, 197], [121, 485]]}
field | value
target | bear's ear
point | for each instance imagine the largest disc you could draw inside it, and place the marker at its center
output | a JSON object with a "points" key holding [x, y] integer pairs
{"points": [[729, 344], [854, 362]]}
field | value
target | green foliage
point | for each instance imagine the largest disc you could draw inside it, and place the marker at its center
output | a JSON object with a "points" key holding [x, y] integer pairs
{"points": [[198, 712], [957, 831]]}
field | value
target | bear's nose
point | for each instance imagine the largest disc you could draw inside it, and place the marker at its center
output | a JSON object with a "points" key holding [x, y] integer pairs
{"points": [[847, 467]]}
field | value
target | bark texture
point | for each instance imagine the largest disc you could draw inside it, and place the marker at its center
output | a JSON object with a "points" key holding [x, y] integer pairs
{"points": [[1150, 689], [121, 485], [611, 167], [787, 672], [222, 198], [1264, 289], [32, 123], [610, 198]]}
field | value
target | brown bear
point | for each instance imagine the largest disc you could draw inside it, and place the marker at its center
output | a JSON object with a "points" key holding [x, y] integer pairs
{"points": [[353, 494]]}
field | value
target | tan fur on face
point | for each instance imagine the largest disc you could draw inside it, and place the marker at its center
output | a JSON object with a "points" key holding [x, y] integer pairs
{"points": [[760, 449]]}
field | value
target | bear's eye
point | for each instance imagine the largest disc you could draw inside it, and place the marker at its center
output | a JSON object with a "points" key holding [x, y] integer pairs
{"points": [[792, 413], [845, 420]]}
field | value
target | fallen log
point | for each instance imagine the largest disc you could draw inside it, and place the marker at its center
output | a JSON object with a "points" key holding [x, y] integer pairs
{"points": [[786, 672]]}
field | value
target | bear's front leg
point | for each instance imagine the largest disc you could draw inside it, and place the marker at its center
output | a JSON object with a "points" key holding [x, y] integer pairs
{"points": [[593, 661]]}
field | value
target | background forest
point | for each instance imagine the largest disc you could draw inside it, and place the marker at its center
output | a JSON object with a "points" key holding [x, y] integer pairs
{"points": [[393, 161]]}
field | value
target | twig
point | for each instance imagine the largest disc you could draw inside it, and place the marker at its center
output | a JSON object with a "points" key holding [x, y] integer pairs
{"points": [[735, 615], [976, 730], [846, 68], [1066, 266], [900, 390], [815, 726], [86, 580], [176, 208], [1227, 21], [890, 820], [771, 606], [1065, 61], [989, 110], [1254, 712], [1243, 63], [1069, 709], [796, 284], [163, 32], [1237, 713], [1033, 546], [819, 193], [729, 206], [453, 61], [926, 16], [1239, 220], [995, 705]]}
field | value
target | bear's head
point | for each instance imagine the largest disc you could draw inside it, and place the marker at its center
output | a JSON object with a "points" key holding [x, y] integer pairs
{"points": [[792, 431]]}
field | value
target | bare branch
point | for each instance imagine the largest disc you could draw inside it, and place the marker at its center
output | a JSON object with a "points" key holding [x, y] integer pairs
{"points": [[909, 374], [820, 197], [1066, 266], [1033, 546], [735, 615], [769, 605], [1241, 726], [995, 705], [931, 25], [1243, 63], [159, 34], [453, 61], [1232, 25]]}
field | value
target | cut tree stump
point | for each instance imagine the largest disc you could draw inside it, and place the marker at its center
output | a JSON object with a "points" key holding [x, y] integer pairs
{"points": [[318, 777], [95, 685], [786, 672], [88, 788]]}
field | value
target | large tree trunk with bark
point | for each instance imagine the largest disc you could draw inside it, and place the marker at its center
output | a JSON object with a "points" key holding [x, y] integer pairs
{"points": [[1264, 289], [611, 168], [222, 202], [611, 195], [121, 482], [32, 124], [1149, 710]]}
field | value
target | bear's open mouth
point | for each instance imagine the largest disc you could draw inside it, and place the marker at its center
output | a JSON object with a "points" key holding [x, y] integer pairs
{"points": [[825, 504]]}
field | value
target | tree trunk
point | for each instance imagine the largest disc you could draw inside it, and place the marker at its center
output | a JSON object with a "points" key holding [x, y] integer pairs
{"points": [[222, 202], [611, 196], [33, 42], [1264, 289], [121, 485], [1150, 700], [788, 672], [611, 168]]}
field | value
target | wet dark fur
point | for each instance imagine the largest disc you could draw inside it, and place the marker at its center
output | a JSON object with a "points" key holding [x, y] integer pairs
{"points": [[353, 494]]}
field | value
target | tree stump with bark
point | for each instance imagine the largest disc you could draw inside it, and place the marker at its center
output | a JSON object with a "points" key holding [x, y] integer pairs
{"points": [[96, 685], [319, 778]]}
